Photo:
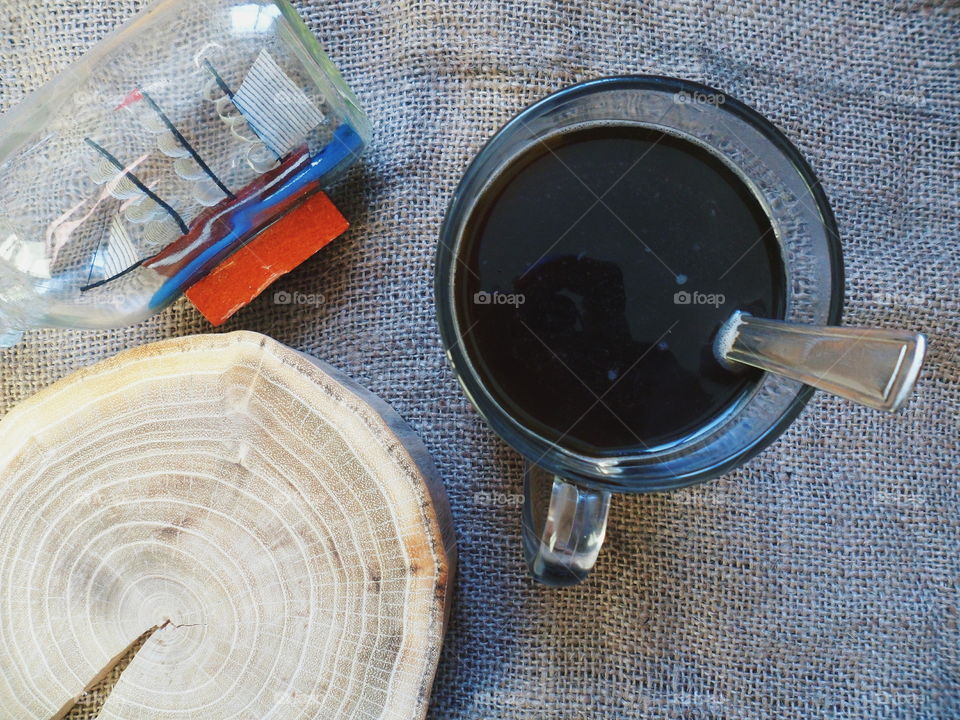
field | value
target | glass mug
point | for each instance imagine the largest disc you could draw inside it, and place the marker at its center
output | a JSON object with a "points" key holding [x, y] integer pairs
{"points": [[567, 490], [166, 148]]}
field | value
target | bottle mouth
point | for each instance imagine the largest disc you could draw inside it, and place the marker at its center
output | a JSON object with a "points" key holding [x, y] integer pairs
{"points": [[21, 304]]}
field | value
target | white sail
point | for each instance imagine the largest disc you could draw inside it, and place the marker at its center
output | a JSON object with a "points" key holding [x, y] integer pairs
{"points": [[277, 110], [119, 253]]}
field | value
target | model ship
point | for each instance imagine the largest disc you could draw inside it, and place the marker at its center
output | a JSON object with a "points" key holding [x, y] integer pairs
{"points": [[233, 216]]}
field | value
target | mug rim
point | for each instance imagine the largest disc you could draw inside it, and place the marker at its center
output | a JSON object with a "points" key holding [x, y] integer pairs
{"points": [[525, 441]]}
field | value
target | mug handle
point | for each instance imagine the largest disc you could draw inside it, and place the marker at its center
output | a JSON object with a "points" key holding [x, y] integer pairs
{"points": [[564, 525]]}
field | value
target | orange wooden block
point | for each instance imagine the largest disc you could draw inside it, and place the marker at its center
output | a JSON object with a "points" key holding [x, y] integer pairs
{"points": [[276, 251]]}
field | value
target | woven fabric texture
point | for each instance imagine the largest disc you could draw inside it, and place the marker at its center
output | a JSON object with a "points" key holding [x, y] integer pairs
{"points": [[821, 580]]}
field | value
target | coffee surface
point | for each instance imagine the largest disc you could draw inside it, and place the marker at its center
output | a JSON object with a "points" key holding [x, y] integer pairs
{"points": [[594, 275]]}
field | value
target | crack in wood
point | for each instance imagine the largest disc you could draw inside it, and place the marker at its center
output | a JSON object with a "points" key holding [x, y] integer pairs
{"points": [[90, 702]]}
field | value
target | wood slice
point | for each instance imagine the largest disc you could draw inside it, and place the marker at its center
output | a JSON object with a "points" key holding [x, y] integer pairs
{"points": [[279, 530]]}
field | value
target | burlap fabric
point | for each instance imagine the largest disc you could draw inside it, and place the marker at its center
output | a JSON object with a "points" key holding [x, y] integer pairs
{"points": [[821, 580]]}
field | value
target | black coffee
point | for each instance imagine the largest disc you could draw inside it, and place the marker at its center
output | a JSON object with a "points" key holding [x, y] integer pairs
{"points": [[596, 272]]}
